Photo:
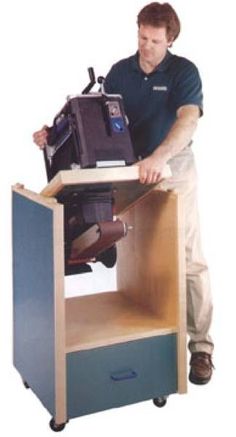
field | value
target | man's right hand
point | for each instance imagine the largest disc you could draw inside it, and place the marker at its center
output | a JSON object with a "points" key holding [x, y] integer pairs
{"points": [[40, 137]]}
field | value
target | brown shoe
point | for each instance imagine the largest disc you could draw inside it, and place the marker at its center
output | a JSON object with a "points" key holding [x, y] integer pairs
{"points": [[201, 368]]}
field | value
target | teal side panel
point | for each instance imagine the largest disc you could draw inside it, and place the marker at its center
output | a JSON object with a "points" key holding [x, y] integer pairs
{"points": [[126, 373], [33, 297]]}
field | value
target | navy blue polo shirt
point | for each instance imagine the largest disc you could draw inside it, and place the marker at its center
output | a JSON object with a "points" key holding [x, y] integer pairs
{"points": [[151, 100]]}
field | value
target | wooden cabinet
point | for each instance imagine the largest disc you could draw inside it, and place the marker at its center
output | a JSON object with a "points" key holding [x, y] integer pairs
{"points": [[90, 353]]}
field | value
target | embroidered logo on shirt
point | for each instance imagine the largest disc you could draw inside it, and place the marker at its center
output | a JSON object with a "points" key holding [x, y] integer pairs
{"points": [[159, 88]]}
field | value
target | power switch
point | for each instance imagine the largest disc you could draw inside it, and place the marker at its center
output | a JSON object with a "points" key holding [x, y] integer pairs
{"points": [[117, 122]]}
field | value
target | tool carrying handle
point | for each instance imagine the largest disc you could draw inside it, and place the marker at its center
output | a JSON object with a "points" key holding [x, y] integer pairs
{"points": [[92, 81]]}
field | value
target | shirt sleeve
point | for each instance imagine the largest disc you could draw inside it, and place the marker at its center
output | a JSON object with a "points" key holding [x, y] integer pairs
{"points": [[187, 89]]}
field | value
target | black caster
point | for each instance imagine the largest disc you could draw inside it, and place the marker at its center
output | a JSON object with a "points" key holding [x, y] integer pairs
{"points": [[160, 402], [56, 427], [26, 385]]}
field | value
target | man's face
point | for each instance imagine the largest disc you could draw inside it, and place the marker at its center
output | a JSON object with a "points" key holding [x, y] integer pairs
{"points": [[152, 44]]}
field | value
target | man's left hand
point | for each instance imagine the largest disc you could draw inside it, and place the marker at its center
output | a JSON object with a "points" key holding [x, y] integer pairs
{"points": [[150, 169]]}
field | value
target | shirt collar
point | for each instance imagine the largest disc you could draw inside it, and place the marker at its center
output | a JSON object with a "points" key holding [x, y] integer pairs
{"points": [[161, 67]]}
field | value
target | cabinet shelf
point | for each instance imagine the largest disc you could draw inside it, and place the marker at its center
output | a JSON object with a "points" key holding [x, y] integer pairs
{"points": [[109, 318]]}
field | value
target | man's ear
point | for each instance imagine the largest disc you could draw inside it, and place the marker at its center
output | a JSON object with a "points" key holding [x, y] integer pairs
{"points": [[170, 42]]}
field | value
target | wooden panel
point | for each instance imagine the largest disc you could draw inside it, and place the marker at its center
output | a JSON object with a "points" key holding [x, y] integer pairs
{"points": [[109, 318], [59, 315], [89, 176], [151, 264], [39, 322], [118, 375], [182, 309], [147, 266], [124, 181]]}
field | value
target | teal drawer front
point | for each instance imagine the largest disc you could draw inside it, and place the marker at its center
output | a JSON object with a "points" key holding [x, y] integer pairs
{"points": [[121, 374]]}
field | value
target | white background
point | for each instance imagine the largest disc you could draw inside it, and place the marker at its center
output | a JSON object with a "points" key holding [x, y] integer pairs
{"points": [[46, 47]]}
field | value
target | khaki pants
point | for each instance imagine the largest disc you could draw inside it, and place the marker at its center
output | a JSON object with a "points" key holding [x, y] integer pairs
{"points": [[199, 303]]}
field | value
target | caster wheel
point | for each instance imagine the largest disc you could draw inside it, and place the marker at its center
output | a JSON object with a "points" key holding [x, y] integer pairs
{"points": [[26, 384], [160, 402], [56, 427]]}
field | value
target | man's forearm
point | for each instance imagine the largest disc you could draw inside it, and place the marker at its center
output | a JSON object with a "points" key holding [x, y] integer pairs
{"points": [[180, 134]]}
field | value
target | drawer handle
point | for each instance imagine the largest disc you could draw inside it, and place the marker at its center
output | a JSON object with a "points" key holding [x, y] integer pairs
{"points": [[123, 375]]}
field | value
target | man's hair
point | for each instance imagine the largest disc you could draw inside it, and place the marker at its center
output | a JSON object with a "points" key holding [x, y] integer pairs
{"points": [[160, 15]]}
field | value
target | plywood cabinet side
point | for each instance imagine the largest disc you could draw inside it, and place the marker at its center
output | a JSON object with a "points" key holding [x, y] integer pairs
{"points": [[147, 266], [39, 306], [182, 304], [151, 264]]}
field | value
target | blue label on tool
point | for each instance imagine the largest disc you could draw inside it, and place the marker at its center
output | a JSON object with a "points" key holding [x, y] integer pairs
{"points": [[117, 124]]}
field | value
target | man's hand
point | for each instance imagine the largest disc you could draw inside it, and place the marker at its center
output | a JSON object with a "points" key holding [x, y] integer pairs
{"points": [[40, 137], [151, 168], [179, 136]]}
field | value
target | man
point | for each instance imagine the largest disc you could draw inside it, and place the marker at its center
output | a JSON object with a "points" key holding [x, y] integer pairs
{"points": [[162, 96]]}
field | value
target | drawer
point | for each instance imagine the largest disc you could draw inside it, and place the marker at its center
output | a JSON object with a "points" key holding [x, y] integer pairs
{"points": [[121, 374]]}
